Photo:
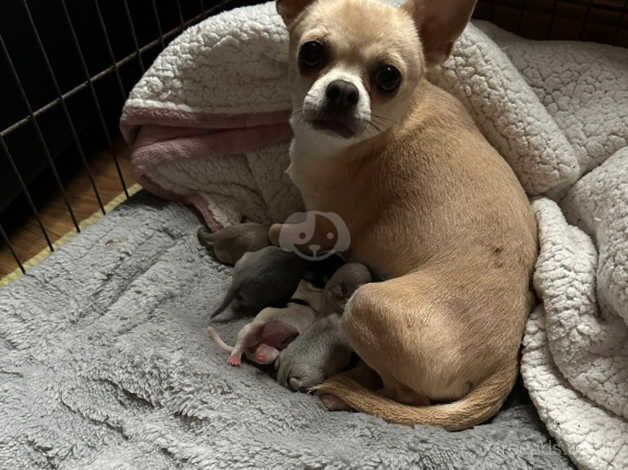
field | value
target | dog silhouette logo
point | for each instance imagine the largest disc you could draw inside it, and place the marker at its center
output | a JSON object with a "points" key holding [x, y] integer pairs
{"points": [[314, 235]]}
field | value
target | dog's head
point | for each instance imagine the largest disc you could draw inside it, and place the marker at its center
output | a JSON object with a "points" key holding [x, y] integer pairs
{"points": [[354, 64]]}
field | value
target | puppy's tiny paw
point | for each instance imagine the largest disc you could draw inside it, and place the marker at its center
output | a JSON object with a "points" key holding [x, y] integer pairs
{"points": [[333, 403], [233, 361]]}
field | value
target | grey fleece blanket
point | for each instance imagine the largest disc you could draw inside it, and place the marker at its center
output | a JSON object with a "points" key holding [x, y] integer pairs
{"points": [[105, 363]]}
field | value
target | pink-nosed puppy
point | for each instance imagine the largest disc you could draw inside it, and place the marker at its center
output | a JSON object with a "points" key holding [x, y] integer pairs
{"points": [[273, 328], [431, 208]]}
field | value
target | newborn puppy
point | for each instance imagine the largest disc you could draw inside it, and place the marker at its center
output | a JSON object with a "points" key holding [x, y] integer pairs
{"points": [[323, 350], [318, 353], [230, 243], [263, 278], [343, 284], [268, 278], [273, 328]]}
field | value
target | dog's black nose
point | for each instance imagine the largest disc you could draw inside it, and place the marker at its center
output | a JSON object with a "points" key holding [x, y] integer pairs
{"points": [[342, 95]]}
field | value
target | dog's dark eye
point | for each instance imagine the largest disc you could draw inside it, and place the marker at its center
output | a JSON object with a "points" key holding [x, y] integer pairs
{"points": [[387, 78], [311, 56]]}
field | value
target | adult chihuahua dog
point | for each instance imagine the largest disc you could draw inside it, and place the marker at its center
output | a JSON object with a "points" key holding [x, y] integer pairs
{"points": [[431, 208]]}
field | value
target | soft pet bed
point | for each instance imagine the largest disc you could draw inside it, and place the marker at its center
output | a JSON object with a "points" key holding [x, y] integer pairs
{"points": [[105, 362]]}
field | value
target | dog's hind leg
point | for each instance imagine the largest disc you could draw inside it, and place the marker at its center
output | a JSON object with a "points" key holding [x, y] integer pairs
{"points": [[429, 332], [429, 337]]}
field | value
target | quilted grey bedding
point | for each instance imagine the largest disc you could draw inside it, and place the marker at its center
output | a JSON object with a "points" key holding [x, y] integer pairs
{"points": [[105, 363]]}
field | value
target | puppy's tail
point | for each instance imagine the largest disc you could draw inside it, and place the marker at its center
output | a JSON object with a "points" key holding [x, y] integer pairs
{"points": [[480, 404], [213, 334]]}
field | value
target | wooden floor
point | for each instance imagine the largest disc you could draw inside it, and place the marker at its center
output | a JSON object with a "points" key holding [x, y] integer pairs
{"points": [[29, 240]]}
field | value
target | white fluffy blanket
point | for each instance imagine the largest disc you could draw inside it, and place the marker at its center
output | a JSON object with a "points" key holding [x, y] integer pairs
{"points": [[208, 123]]}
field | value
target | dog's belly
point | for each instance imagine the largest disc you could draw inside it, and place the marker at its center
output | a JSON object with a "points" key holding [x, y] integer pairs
{"points": [[383, 246], [384, 255]]}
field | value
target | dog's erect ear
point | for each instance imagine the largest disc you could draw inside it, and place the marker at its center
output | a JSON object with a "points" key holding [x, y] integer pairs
{"points": [[290, 9], [439, 23]]}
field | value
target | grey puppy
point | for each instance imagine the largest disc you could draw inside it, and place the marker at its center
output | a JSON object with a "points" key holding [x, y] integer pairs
{"points": [[273, 328], [319, 352], [268, 278], [342, 284], [263, 278], [230, 243], [323, 350]]}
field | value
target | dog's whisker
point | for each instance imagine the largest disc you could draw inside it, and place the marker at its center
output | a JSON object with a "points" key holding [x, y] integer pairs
{"points": [[383, 125], [383, 118], [379, 124], [371, 126]]}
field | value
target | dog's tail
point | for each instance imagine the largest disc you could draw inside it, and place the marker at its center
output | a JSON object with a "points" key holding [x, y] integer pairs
{"points": [[480, 404], [213, 334]]}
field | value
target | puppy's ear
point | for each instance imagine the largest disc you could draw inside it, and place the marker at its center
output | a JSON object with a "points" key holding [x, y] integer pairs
{"points": [[290, 9], [439, 23]]}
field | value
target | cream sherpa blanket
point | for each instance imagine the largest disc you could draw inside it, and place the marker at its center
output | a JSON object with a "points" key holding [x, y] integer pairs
{"points": [[208, 123]]}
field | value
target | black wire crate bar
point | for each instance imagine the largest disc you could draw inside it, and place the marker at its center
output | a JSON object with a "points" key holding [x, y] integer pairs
{"points": [[67, 68]]}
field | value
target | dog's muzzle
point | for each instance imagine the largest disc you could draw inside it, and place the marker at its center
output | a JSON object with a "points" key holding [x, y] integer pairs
{"points": [[337, 113]]}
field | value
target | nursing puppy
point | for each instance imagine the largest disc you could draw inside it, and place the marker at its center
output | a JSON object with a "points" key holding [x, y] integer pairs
{"points": [[230, 243], [316, 354], [323, 349], [268, 278], [431, 208], [273, 328], [342, 284], [263, 278]]}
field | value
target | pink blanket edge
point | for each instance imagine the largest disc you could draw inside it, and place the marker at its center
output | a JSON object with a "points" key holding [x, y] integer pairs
{"points": [[158, 136]]}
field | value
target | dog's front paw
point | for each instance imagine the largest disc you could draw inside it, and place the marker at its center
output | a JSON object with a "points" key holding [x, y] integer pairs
{"points": [[333, 403]]}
